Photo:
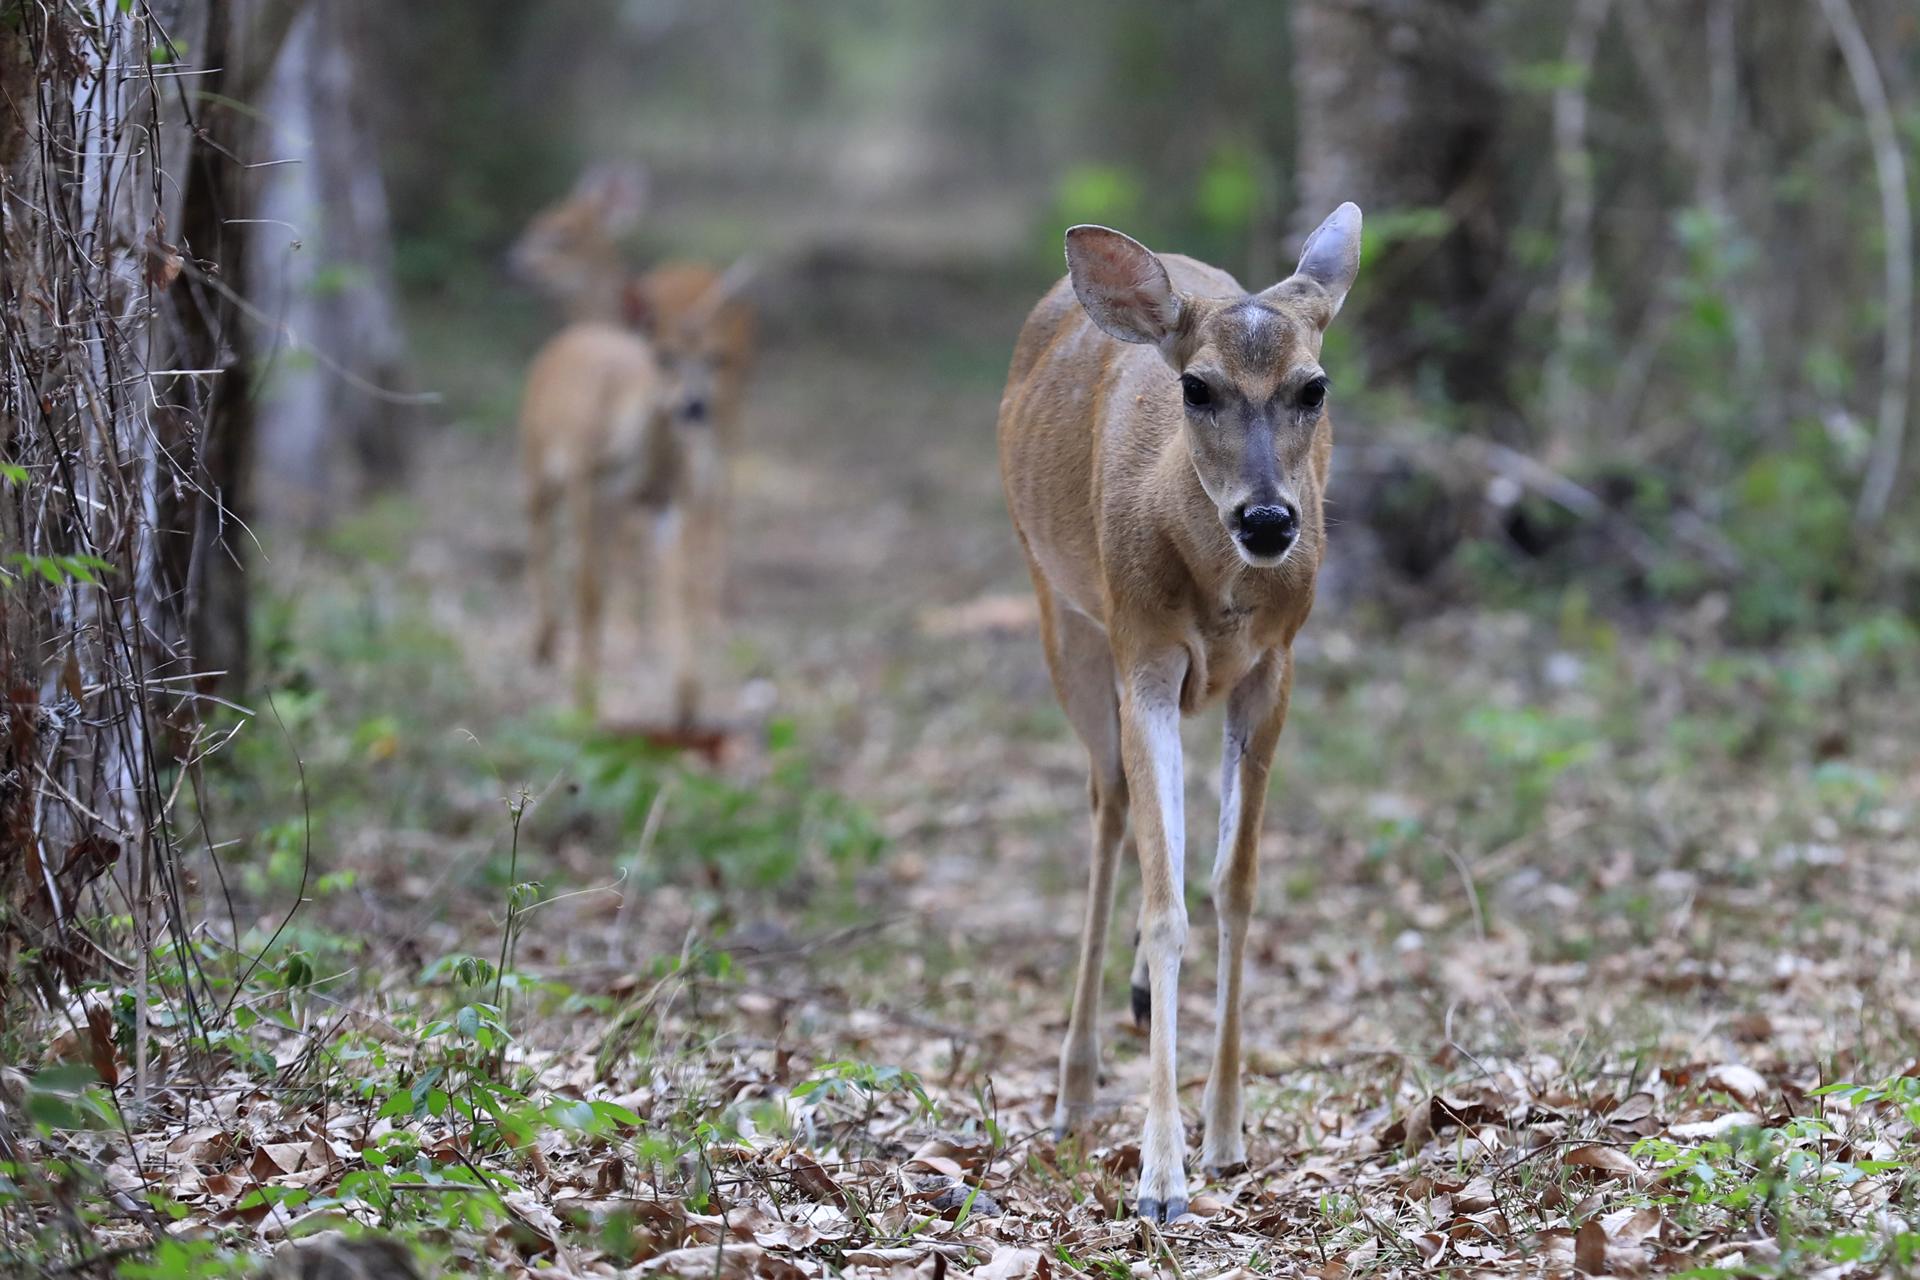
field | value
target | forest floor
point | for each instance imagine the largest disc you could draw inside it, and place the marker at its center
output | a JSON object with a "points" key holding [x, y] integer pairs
{"points": [[1565, 920]]}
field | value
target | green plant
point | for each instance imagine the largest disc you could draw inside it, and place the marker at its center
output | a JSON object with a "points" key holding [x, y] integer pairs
{"points": [[1787, 1179], [865, 1081], [765, 835]]}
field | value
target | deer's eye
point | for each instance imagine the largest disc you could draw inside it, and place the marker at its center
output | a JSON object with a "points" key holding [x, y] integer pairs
{"points": [[1195, 392], [1314, 394]]}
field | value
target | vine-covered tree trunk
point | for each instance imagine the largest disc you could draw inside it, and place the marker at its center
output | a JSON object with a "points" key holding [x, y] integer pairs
{"points": [[121, 444]]}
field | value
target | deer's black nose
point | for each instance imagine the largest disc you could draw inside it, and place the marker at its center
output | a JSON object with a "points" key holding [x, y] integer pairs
{"points": [[1268, 529], [694, 410]]}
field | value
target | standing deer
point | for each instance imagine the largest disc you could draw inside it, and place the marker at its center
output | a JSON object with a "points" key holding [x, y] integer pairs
{"points": [[634, 405], [1164, 445]]}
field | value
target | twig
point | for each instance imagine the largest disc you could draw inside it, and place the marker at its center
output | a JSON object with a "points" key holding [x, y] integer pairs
{"points": [[656, 814], [1466, 882], [1157, 1243], [1890, 169]]}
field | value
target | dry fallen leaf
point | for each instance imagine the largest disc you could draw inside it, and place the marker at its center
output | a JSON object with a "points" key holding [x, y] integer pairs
{"points": [[1742, 1082], [1590, 1248], [1715, 1127], [1012, 1263], [1608, 1160], [1633, 1107], [813, 1180], [1630, 1226], [731, 1261]]}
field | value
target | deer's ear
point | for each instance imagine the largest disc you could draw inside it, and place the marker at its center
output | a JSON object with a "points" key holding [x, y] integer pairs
{"points": [[637, 309], [618, 190], [1329, 260], [1122, 285], [732, 284]]}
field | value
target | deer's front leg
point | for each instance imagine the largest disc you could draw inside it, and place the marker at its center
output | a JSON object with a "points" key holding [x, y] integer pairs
{"points": [[1256, 710], [1150, 745]]}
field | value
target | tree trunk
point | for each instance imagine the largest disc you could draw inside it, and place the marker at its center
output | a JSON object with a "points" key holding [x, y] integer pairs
{"points": [[323, 268], [117, 434], [209, 545], [1398, 110]]}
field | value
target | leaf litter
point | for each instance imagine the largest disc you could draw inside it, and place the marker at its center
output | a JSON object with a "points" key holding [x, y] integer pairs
{"points": [[1514, 1005]]}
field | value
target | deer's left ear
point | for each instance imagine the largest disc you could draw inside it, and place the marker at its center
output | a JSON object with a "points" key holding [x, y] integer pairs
{"points": [[1328, 261], [1122, 285], [619, 191]]}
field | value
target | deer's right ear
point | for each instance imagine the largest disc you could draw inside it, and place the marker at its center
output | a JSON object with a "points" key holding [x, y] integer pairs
{"points": [[1122, 285], [636, 307]]}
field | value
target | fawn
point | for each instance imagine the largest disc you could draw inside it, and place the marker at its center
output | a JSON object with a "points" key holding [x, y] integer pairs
{"points": [[1164, 445], [634, 405]]}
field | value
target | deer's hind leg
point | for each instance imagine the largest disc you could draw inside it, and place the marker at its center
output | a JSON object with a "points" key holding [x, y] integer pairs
{"points": [[703, 584], [587, 510], [1081, 662], [543, 501]]}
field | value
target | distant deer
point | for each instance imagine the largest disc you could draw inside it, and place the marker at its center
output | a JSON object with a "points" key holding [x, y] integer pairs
{"points": [[1164, 444], [633, 406]]}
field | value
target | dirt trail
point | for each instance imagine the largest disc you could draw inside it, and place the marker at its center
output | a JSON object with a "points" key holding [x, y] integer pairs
{"points": [[878, 599]]}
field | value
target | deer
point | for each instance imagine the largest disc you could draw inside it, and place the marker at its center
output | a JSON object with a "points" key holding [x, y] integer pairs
{"points": [[1164, 446], [633, 407]]}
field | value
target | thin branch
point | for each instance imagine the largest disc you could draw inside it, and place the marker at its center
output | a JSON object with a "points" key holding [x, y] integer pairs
{"points": [[1889, 166], [1573, 161]]}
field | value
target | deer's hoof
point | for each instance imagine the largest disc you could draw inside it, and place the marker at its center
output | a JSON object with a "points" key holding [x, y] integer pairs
{"points": [[1161, 1211], [1163, 1182], [1070, 1118], [1226, 1156]]}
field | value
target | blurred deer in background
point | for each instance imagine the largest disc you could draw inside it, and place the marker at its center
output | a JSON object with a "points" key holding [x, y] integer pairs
{"points": [[633, 406], [1164, 445]]}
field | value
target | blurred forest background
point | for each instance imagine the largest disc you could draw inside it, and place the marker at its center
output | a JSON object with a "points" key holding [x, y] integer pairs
{"points": [[1647, 250], [1623, 501]]}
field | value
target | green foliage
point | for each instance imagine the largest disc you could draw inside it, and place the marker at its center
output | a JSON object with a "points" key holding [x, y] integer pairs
{"points": [[186, 1259], [1102, 193], [69, 1096], [766, 835], [1793, 524], [1527, 749], [1786, 1180], [59, 570], [865, 1081], [1388, 229], [1229, 191]]}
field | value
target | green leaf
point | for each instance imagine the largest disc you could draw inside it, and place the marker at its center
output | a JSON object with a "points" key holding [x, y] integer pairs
{"points": [[616, 1113]]}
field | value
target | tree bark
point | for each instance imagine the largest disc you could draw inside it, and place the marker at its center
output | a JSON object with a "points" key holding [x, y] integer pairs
{"points": [[1399, 110], [323, 271], [122, 445], [209, 544]]}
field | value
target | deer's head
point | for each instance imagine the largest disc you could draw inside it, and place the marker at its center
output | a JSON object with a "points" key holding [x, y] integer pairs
{"points": [[1246, 369], [569, 249]]}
